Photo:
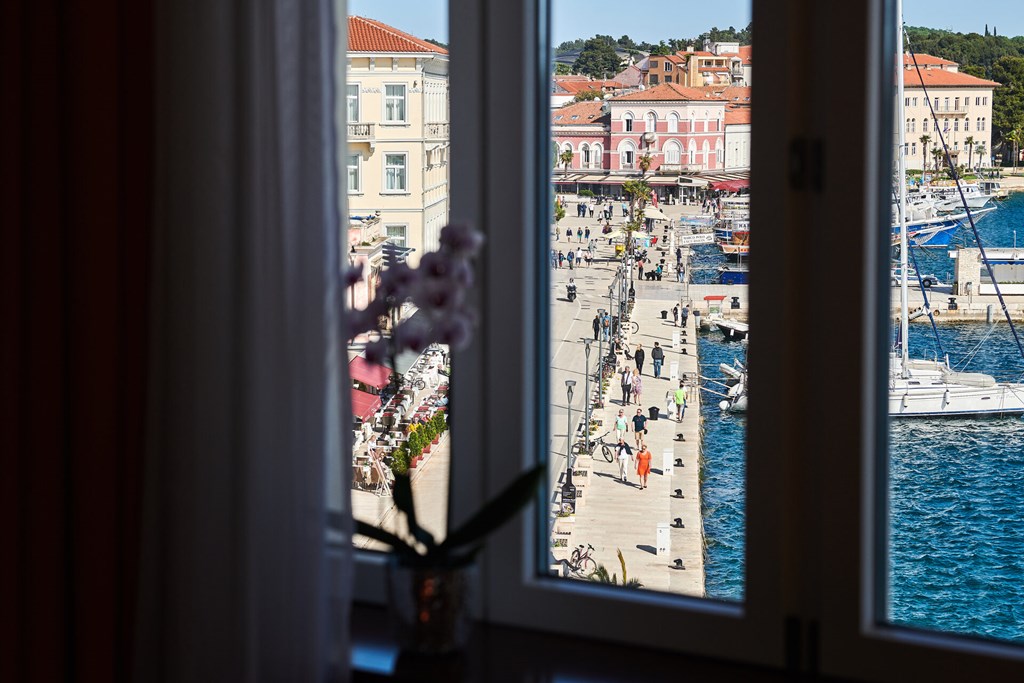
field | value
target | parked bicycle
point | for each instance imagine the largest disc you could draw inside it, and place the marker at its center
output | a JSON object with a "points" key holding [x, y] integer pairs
{"points": [[580, 562], [607, 449]]}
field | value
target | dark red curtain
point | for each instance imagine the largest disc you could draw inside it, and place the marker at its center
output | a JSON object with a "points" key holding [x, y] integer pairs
{"points": [[76, 126]]}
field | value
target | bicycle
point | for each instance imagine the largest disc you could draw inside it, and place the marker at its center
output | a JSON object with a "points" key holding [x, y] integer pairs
{"points": [[631, 326], [580, 562], [607, 449]]}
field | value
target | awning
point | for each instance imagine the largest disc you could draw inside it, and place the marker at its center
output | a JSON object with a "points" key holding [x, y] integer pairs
{"points": [[364, 405], [656, 214], [731, 185], [370, 374]]}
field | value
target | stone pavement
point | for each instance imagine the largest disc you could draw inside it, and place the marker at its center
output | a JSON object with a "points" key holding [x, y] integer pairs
{"points": [[614, 515]]}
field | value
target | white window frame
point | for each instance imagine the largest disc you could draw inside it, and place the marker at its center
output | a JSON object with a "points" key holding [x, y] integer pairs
{"points": [[349, 98], [358, 167], [627, 122], [811, 469], [386, 98], [673, 152], [597, 155], [650, 122], [673, 122], [405, 173], [404, 241]]}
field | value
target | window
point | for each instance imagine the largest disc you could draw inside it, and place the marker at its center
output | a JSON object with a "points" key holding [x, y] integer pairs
{"points": [[673, 123], [668, 66], [397, 233], [394, 172], [915, 102], [654, 79], [627, 155], [672, 153], [936, 104], [956, 125], [651, 122], [967, 124], [585, 155], [984, 101], [982, 124], [598, 156], [913, 149], [353, 172], [691, 151], [977, 101], [906, 102], [924, 125], [352, 101], [956, 103], [627, 124], [394, 103]]}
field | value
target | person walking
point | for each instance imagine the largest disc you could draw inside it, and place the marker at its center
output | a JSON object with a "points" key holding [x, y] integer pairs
{"points": [[579, 257], [625, 209], [579, 235], [621, 426], [590, 205], [675, 315], [639, 427], [639, 357], [625, 454], [597, 326], [640, 267], [643, 465], [638, 387], [586, 234], [589, 255], [679, 398], [570, 257], [658, 358], [606, 326], [626, 382], [680, 272], [685, 314], [568, 234], [561, 258]]}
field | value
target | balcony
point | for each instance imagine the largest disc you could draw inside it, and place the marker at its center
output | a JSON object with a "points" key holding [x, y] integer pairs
{"points": [[361, 132], [951, 109], [435, 131]]}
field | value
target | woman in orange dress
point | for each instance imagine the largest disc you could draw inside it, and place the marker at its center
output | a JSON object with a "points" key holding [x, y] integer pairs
{"points": [[643, 465]]}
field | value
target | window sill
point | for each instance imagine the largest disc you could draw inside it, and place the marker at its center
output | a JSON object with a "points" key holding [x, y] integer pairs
{"points": [[512, 654], [395, 124], [395, 193]]}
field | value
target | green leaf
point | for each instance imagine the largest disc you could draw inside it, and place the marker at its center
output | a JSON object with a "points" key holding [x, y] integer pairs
{"points": [[385, 537], [498, 511], [405, 503]]}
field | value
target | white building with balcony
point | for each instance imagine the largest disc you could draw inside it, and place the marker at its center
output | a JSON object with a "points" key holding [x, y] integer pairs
{"points": [[395, 158]]}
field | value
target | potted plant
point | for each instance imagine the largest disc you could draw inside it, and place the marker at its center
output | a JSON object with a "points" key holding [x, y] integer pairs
{"points": [[431, 583]]}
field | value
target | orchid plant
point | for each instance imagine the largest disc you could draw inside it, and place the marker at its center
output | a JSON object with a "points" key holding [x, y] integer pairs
{"points": [[438, 288]]}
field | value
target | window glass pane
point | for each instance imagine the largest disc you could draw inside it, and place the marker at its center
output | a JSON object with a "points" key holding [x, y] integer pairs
{"points": [[955, 391], [649, 249], [397, 68]]}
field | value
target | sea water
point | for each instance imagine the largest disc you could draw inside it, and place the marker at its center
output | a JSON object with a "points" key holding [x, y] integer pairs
{"points": [[956, 489]]}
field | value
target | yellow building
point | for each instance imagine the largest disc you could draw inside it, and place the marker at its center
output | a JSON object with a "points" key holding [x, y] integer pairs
{"points": [[962, 105], [396, 159]]}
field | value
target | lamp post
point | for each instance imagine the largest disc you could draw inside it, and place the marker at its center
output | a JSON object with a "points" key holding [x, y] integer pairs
{"points": [[586, 393], [600, 355], [568, 488]]}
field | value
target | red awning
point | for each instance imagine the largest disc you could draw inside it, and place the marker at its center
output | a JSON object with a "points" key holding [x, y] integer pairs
{"points": [[714, 297], [731, 185], [364, 405], [370, 374]]}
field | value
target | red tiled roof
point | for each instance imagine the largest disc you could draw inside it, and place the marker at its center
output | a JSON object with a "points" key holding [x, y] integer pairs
{"points": [[587, 112], [927, 60], [665, 91], [935, 78], [746, 53], [368, 35], [735, 94], [583, 86], [737, 115]]}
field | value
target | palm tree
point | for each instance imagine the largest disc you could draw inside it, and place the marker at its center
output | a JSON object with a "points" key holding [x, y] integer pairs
{"points": [[969, 144], [644, 164], [924, 154], [566, 159], [937, 156], [980, 149], [1016, 136]]}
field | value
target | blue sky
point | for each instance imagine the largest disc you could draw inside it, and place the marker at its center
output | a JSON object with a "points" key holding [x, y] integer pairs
{"points": [[584, 18]]}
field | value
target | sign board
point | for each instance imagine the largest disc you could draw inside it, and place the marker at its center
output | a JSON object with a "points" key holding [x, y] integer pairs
{"points": [[675, 340], [699, 238], [663, 544], [673, 370], [668, 461]]}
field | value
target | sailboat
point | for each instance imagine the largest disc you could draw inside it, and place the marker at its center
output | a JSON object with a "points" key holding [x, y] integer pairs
{"points": [[931, 388]]}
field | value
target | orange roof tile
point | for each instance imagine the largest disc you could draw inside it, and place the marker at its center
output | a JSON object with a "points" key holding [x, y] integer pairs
{"points": [[737, 115], [927, 60], [369, 35], [665, 91], [937, 78], [584, 112], [735, 94], [746, 53]]}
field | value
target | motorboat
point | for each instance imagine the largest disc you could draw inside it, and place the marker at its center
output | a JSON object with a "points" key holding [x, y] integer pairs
{"points": [[733, 330]]}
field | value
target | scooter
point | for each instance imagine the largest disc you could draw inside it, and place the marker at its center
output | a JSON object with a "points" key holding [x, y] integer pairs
{"points": [[570, 292]]}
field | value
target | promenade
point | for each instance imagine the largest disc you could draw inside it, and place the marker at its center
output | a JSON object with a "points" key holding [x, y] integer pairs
{"points": [[615, 516]]}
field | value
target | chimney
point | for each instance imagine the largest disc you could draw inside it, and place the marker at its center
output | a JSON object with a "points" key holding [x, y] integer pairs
{"points": [[689, 48]]}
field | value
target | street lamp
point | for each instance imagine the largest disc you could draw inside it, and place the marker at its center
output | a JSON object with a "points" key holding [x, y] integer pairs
{"points": [[568, 489], [600, 354], [586, 393]]}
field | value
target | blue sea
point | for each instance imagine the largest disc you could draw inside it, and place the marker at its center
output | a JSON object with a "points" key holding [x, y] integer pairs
{"points": [[956, 487]]}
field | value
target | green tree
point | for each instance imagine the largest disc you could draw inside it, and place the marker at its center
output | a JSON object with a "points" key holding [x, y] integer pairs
{"points": [[925, 139], [559, 211], [980, 149], [644, 164], [1016, 138], [587, 95], [1008, 101], [565, 158], [661, 49], [562, 69], [937, 158], [639, 192], [598, 59], [969, 144]]}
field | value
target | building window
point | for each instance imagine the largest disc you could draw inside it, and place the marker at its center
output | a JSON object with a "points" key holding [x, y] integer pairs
{"points": [[654, 79], [585, 155], [913, 148], [692, 153], [398, 234], [672, 153], [394, 172], [936, 104], [906, 102], [982, 123], [967, 124], [598, 156], [353, 172], [352, 100], [650, 122], [915, 102], [627, 122], [945, 104], [654, 65], [394, 103], [956, 125], [984, 101], [673, 123], [668, 66], [924, 125]]}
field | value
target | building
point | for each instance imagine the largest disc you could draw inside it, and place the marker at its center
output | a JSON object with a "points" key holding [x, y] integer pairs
{"points": [[717, 64], [564, 89], [962, 106], [396, 156]]}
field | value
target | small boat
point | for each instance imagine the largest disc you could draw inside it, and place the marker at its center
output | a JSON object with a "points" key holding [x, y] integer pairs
{"points": [[733, 274], [735, 400], [733, 330]]}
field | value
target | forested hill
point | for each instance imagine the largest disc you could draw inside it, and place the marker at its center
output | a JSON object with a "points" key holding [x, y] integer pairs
{"points": [[990, 56], [743, 36]]}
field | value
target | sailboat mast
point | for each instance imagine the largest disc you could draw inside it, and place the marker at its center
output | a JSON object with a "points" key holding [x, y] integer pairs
{"points": [[901, 180]]}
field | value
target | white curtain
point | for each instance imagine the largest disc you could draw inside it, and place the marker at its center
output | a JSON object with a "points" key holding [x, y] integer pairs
{"points": [[241, 577]]}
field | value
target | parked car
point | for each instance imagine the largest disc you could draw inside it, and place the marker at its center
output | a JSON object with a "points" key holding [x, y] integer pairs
{"points": [[928, 280]]}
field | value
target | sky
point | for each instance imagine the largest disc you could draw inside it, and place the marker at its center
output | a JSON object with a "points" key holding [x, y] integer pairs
{"points": [[573, 19]]}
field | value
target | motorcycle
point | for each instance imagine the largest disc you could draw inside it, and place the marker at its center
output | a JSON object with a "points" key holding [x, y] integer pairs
{"points": [[570, 292]]}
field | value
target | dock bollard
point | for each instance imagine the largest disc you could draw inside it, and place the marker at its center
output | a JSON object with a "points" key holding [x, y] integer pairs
{"points": [[679, 523], [678, 494]]}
